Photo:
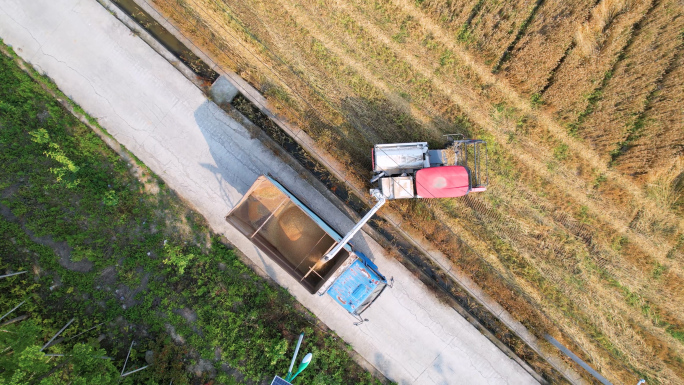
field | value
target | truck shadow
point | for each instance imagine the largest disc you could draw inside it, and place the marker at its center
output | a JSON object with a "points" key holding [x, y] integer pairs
{"points": [[235, 167], [229, 145]]}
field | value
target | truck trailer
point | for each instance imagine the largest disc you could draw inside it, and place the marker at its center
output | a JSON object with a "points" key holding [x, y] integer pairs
{"points": [[305, 246]]}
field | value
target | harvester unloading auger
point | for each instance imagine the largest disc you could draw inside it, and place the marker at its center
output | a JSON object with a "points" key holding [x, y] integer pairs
{"points": [[305, 246]]}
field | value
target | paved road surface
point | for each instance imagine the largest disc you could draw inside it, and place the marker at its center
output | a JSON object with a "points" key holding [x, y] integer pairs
{"points": [[210, 160]]}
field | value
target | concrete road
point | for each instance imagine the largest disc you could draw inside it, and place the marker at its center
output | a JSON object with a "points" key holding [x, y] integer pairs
{"points": [[210, 160]]}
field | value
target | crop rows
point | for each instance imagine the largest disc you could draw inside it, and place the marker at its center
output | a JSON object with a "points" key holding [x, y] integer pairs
{"points": [[544, 45], [660, 139], [600, 71], [634, 78], [577, 83]]}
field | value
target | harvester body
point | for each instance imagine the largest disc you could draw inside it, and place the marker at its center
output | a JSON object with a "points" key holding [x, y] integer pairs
{"points": [[412, 170]]}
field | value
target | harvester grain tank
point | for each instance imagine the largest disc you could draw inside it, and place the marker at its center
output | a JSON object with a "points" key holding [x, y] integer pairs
{"points": [[322, 260]]}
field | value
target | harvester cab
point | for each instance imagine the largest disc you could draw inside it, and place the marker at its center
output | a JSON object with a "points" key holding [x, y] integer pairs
{"points": [[412, 170]]}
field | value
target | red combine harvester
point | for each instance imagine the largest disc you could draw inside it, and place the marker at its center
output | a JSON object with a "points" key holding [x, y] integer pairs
{"points": [[412, 170]]}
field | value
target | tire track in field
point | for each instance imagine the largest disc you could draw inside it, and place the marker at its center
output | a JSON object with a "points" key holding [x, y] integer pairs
{"points": [[655, 248], [578, 148]]}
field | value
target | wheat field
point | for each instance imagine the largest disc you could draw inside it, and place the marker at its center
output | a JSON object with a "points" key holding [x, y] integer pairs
{"points": [[581, 105]]}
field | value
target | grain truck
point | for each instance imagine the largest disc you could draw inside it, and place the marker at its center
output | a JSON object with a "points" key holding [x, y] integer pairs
{"points": [[306, 247]]}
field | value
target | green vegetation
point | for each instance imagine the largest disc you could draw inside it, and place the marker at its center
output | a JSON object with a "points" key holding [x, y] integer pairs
{"points": [[84, 364], [127, 262], [537, 100], [634, 130], [592, 98], [600, 179], [560, 152], [464, 34]]}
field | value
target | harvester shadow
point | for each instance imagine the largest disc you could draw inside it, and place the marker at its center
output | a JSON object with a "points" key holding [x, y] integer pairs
{"points": [[393, 120]]}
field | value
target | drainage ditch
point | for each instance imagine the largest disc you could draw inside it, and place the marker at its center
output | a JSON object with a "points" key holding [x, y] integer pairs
{"points": [[173, 45]]}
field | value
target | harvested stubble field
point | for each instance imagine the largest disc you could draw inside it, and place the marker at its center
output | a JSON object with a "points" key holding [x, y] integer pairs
{"points": [[580, 233]]}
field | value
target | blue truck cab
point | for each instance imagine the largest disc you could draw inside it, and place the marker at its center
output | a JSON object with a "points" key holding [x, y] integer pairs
{"points": [[358, 286]]}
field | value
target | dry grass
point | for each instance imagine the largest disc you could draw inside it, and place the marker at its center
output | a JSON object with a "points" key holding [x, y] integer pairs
{"points": [[591, 35], [626, 96], [585, 257]]}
